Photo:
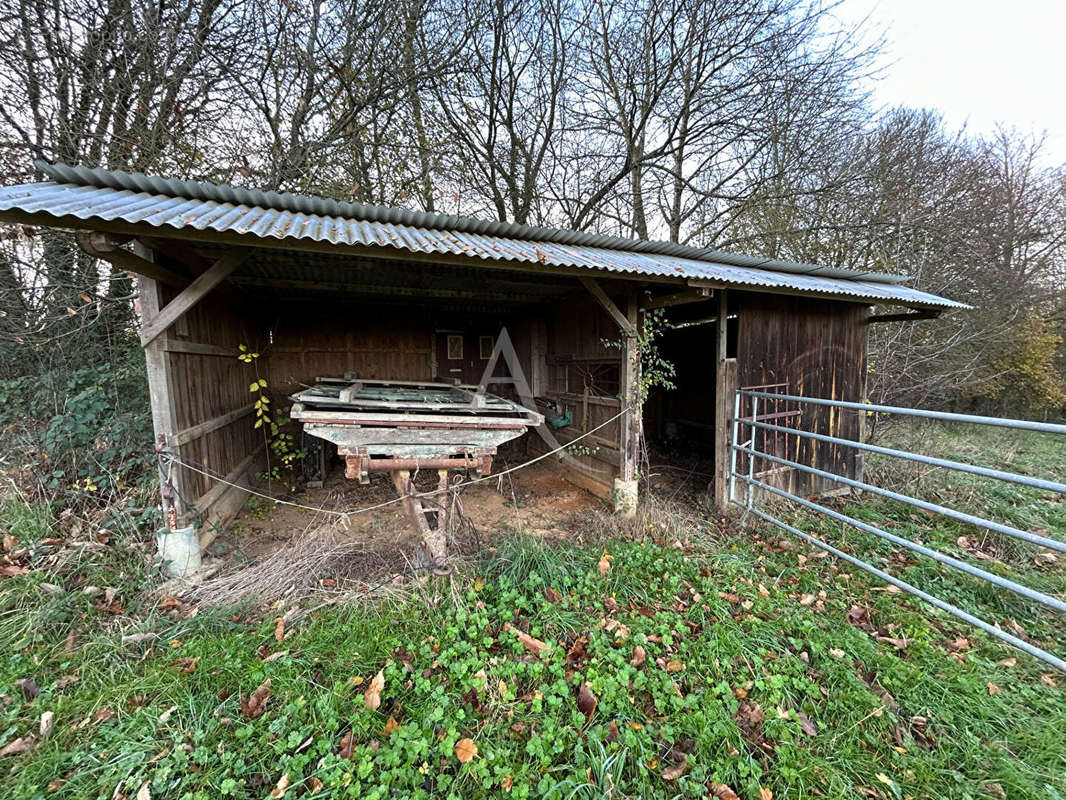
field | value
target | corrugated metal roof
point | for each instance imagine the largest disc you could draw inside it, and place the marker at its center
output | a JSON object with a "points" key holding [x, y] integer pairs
{"points": [[161, 204], [328, 207]]}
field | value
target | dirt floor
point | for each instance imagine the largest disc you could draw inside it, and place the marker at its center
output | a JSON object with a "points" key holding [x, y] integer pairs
{"points": [[536, 499]]}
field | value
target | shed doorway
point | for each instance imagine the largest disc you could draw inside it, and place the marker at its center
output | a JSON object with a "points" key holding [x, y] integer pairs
{"points": [[679, 424]]}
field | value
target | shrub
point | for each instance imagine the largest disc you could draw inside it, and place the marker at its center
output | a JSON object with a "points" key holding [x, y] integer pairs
{"points": [[82, 437]]}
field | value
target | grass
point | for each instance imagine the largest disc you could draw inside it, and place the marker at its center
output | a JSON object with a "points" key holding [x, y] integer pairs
{"points": [[753, 680]]}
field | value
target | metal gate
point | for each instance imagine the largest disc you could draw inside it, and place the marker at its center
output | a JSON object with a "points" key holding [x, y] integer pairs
{"points": [[751, 445]]}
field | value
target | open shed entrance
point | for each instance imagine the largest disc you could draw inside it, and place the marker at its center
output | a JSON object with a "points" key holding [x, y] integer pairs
{"points": [[313, 318], [680, 426]]}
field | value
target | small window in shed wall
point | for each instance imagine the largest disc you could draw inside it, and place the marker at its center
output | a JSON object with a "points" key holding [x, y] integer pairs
{"points": [[455, 347], [485, 345]]}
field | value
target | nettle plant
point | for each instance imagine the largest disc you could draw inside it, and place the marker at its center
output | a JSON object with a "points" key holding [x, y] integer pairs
{"points": [[283, 456]]}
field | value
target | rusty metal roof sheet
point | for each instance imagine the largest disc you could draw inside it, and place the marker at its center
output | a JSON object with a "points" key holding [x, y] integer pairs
{"points": [[103, 196]]}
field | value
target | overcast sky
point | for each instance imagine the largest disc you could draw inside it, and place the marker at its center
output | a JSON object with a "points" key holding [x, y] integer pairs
{"points": [[978, 61]]}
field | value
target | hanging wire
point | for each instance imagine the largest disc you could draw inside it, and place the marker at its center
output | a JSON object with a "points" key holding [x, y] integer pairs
{"points": [[169, 457]]}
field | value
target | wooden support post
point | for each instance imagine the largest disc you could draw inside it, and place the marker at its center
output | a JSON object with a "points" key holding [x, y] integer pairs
{"points": [[192, 294], [630, 427], [434, 537], [164, 413], [726, 375]]}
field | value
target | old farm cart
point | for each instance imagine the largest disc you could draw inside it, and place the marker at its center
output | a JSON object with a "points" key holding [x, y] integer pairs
{"points": [[404, 427], [326, 288], [756, 441]]}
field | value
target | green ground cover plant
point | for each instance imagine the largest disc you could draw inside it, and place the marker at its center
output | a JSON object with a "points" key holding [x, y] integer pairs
{"points": [[690, 661]]}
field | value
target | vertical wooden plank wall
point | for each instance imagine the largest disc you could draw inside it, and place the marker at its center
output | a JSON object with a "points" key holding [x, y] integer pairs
{"points": [[819, 348], [207, 390], [571, 332], [308, 343]]}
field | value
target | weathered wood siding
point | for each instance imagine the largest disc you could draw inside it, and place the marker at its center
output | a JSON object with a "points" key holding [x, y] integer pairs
{"points": [[311, 342], [210, 389], [566, 353], [819, 348]]}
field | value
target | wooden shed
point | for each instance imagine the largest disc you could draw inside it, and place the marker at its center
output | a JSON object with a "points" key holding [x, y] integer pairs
{"points": [[321, 287]]}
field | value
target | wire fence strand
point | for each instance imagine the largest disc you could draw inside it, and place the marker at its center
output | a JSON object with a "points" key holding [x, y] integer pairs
{"points": [[171, 457]]}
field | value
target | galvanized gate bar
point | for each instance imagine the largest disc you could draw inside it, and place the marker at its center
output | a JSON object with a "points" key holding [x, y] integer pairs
{"points": [[1016, 424], [960, 466], [936, 555], [748, 446], [955, 611], [961, 516]]}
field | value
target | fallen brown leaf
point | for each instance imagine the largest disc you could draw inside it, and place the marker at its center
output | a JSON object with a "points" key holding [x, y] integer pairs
{"points": [[21, 745], [346, 746], [765, 794], [808, 726], [372, 696], [47, 722], [390, 725], [185, 665], [281, 787], [255, 705], [673, 665], [279, 628], [535, 646], [586, 701], [674, 772], [722, 792], [993, 689], [605, 564], [507, 783], [639, 656], [315, 784], [145, 792], [465, 750]]}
